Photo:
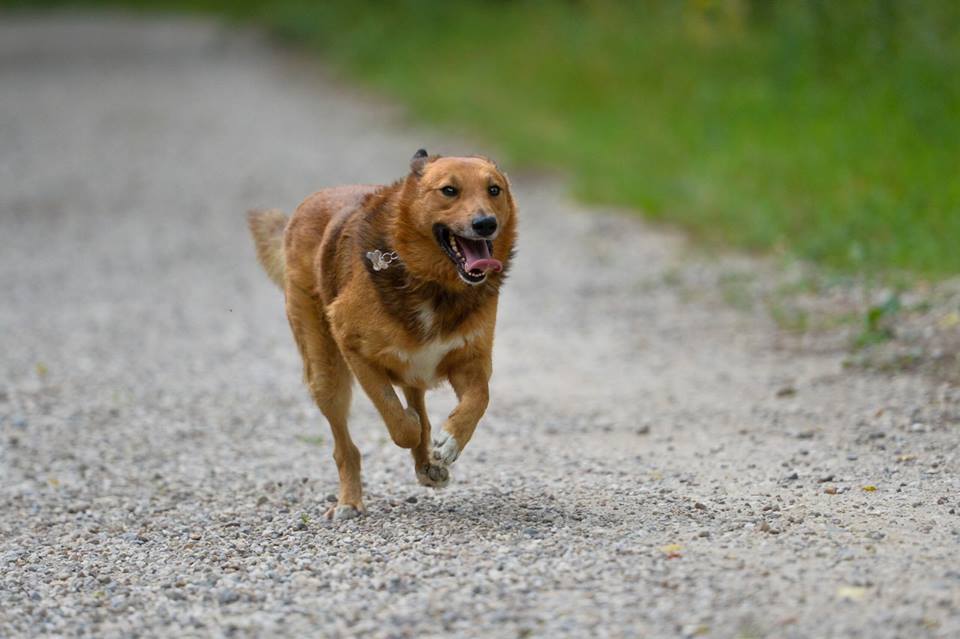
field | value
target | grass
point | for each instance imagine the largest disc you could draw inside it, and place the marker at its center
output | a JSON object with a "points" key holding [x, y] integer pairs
{"points": [[876, 324], [313, 440], [827, 130]]}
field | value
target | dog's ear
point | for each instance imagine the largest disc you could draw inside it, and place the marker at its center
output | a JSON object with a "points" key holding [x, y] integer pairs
{"points": [[420, 159]]}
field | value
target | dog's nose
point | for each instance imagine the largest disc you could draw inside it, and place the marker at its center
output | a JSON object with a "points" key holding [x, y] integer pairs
{"points": [[485, 225]]}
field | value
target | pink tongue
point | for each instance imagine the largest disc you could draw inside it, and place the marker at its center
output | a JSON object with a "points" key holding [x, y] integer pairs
{"points": [[477, 255]]}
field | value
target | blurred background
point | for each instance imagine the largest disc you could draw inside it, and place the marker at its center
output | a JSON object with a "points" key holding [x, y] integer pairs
{"points": [[825, 130]]}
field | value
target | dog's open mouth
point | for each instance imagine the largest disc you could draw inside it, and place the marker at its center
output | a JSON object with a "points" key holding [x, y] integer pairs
{"points": [[472, 258]]}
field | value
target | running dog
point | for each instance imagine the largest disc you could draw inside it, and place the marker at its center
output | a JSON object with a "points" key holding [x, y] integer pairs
{"points": [[396, 286]]}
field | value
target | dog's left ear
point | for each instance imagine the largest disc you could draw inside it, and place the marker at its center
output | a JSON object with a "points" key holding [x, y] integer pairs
{"points": [[496, 166], [420, 159]]}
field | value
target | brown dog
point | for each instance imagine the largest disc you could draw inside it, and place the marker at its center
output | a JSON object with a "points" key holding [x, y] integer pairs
{"points": [[397, 286]]}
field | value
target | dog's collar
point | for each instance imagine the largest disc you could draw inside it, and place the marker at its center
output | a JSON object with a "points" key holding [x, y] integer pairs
{"points": [[381, 260]]}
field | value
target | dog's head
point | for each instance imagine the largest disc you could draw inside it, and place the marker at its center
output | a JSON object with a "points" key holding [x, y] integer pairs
{"points": [[458, 223]]}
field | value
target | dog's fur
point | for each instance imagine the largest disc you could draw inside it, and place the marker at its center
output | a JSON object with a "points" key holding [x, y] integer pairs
{"points": [[410, 325]]}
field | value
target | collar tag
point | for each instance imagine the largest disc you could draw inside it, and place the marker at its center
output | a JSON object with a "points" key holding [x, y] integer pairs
{"points": [[381, 261]]}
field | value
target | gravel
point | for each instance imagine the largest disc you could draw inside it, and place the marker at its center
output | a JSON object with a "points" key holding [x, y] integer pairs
{"points": [[640, 472]]}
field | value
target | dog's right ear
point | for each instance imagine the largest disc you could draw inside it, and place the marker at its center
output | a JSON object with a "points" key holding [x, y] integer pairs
{"points": [[420, 159]]}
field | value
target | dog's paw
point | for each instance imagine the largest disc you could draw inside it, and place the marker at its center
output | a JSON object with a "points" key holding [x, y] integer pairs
{"points": [[433, 476], [445, 449], [342, 512]]}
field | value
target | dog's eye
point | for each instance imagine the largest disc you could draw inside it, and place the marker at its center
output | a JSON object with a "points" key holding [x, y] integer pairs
{"points": [[449, 191], [494, 190]]}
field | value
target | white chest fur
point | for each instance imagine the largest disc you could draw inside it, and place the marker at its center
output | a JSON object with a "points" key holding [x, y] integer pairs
{"points": [[422, 363]]}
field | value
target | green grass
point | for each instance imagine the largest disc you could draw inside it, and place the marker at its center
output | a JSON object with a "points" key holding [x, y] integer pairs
{"points": [[313, 440], [830, 130]]}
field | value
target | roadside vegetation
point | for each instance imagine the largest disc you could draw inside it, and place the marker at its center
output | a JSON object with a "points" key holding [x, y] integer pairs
{"points": [[825, 130]]}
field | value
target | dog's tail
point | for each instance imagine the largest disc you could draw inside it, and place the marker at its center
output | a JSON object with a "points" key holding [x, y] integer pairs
{"points": [[267, 230]]}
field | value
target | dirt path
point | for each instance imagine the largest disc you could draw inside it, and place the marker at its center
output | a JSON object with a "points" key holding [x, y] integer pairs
{"points": [[651, 465]]}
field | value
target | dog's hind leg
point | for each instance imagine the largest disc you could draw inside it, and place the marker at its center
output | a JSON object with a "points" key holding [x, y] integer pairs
{"points": [[427, 474], [329, 380]]}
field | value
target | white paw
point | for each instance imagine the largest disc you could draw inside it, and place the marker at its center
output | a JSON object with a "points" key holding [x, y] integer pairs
{"points": [[433, 476], [340, 513], [445, 449]]}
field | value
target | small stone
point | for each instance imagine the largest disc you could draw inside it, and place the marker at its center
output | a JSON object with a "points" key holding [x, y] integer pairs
{"points": [[227, 596], [786, 391], [411, 499], [331, 498], [644, 430], [792, 476], [78, 507], [805, 434], [826, 478], [830, 490]]}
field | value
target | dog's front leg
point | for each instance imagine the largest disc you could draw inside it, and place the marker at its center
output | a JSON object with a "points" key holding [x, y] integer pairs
{"points": [[470, 385], [428, 474], [403, 424]]}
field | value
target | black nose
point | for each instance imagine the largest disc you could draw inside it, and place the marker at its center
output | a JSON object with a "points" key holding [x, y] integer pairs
{"points": [[484, 225]]}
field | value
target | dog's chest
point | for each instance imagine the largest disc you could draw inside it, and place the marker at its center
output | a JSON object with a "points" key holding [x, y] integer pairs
{"points": [[421, 363]]}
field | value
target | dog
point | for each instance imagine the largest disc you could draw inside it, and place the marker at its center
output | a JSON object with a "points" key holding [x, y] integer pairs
{"points": [[397, 286]]}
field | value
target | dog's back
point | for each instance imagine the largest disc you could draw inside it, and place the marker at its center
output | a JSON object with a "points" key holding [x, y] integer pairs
{"points": [[300, 236]]}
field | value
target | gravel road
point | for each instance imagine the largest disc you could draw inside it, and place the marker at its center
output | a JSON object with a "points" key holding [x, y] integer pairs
{"points": [[653, 463]]}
